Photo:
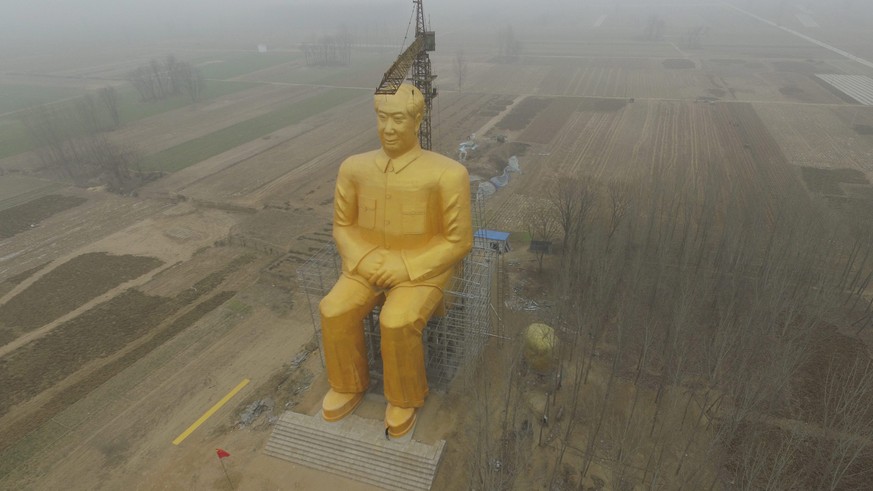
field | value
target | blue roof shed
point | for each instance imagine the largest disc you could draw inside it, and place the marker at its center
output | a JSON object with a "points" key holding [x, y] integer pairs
{"points": [[495, 239], [491, 234]]}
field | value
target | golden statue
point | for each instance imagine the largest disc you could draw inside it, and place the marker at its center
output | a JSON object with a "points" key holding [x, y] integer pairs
{"points": [[401, 223]]}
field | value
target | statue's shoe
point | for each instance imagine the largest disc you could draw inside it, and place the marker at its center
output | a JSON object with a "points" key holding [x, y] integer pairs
{"points": [[399, 420], [338, 405]]}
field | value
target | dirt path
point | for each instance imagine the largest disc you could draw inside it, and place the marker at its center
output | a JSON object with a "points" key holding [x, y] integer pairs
{"points": [[496, 119]]}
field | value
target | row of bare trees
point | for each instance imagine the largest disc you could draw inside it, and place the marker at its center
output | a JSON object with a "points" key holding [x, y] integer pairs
{"points": [[509, 47], [72, 141], [699, 345], [332, 50], [654, 28], [160, 79]]}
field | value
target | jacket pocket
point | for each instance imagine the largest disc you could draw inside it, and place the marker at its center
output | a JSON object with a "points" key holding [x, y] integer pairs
{"points": [[414, 218], [366, 213]]}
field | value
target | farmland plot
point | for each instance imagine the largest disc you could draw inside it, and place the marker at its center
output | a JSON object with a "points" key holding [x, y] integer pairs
{"points": [[29, 214], [19, 96], [366, 70], [599, 79], [67, 287], [508, 79], [16, 190], [205, 118], [821, 137], [726, 144], [198, 149], [248, 179]]}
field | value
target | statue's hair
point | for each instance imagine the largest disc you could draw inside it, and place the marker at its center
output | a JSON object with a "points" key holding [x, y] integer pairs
{"points": [[414, 99]]}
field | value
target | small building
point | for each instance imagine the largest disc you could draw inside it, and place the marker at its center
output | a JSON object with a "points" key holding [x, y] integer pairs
{"points": [[541, 246], [492, 239], [262, 48]]}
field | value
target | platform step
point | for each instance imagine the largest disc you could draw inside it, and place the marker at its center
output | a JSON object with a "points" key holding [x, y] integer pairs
{"points": [[355, 448]]}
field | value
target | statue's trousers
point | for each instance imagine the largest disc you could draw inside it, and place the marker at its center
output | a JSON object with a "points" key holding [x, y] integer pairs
{"points": [[402, 320]]}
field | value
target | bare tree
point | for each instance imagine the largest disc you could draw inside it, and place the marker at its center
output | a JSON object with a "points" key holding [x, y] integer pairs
{"points": [[654, 28], [111, 162], [573, 199], [192, 82], [144, 82], [542, 229], [846, 416], [346, 40], [162, 79], [49, 127], [109, 96], [333, 50], [459, 66], [85, 157], [88, 114], [508, 46], [173, 71]]}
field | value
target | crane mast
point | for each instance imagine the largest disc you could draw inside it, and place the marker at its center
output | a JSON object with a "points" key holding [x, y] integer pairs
{"points": [[415, 57]]}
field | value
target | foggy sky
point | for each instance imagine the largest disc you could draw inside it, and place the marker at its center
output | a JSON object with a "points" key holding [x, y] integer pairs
{"points": [[46, 21]]}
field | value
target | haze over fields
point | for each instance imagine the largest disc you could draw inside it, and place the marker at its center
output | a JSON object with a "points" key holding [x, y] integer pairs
{"points": [[696, 178]]}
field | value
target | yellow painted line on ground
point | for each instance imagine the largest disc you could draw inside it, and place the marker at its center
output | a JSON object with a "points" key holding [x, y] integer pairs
{"points": [[185, 434]]}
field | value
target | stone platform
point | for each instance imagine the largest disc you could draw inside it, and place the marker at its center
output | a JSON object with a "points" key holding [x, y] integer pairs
{"points": [[355, 448]]}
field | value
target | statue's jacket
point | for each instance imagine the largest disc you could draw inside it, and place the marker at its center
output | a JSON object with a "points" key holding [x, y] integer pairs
{"points": [[421, 208]]}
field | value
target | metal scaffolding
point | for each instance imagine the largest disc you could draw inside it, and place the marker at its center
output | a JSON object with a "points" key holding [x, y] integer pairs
{"points": [[450, 340]]}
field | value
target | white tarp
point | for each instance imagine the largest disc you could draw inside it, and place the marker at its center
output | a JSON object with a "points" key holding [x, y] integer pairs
{"points": [[858, 87]]}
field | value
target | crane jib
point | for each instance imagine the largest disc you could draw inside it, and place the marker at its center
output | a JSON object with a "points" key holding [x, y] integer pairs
{"points": [[397, 73], [416, 58]]}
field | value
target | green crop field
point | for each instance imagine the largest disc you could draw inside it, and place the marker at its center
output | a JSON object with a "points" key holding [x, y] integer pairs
{"points": [[199, 149], [16, 97], [132, 109], [14, 138]]}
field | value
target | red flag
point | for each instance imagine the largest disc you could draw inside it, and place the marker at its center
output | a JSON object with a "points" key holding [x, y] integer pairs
{"points": [[222, 453]]}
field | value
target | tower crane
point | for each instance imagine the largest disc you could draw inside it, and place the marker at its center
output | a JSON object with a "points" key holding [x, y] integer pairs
{"points": [[415, 57]]}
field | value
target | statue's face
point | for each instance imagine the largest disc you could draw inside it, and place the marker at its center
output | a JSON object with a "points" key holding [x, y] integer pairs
{"points": [[398, 131]]}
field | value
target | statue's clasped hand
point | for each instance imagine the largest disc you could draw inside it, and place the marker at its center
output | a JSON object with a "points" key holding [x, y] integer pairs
{"points": [[383, 268]]}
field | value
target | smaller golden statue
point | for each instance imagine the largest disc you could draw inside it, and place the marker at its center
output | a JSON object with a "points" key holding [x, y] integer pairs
{"points": [[401, 223]]}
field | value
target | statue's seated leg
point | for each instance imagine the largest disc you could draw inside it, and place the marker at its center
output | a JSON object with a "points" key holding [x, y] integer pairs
{"points": [[402, 321], [345, 354]]}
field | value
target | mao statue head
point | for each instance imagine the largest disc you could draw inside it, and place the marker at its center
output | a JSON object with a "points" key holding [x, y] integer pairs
{"points": [[399, 117]]}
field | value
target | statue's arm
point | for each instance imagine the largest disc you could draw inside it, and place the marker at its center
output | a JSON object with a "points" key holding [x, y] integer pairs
{"points": [[351, 246], [444, 251]]}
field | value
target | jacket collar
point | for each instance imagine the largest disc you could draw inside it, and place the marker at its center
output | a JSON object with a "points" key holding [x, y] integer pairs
{"points": [[400, 162]]}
